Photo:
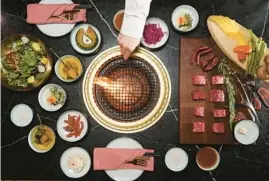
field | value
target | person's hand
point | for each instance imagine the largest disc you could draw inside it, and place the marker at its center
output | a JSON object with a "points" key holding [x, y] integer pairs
{"points": [[127, 45]]}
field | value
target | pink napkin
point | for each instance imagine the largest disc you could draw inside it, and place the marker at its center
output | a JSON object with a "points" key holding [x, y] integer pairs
{"points": [[114, 159], [41, 13]]}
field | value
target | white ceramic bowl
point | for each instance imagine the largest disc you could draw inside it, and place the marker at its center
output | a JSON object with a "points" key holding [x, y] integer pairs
{"points": [[32, 145], [57, 70], [21, 115], [73, 39], [43, 95], [164, 28], [180, 11], [251, 135], [176, 159]]}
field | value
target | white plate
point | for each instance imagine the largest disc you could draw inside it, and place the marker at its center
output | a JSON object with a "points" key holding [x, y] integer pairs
{"points": [[164, 28], [56, 30], [180, 11], [21, 115], [60, 124], [64, 162], [31, 144], [125, 174], [57, 70], [73, 38], [252, 132], [44, 93], [176, 159]]}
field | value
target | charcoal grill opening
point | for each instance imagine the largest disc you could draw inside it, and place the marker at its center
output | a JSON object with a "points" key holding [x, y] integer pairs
{"points": [[126, 90]]}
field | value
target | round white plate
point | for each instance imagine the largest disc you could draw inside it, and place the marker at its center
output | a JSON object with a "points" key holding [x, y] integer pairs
{"points": [[180, 11], [57, 70], [164, 28], [60, 124], [64, 162], [21, 115], [44, 93], [56, 30], [125, 174], [73, 38], [176, 159], [251, 135], [31, 144]]}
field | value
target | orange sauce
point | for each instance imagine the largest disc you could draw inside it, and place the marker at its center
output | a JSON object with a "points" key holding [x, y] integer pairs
{"points": [[118, 20], [207, 157]]}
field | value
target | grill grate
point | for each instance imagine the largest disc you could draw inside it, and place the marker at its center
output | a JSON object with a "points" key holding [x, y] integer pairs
{"points": [[131, 89]]}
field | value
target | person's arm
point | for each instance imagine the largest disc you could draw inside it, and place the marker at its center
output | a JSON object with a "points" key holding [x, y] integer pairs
{"points": [[135, 15]]}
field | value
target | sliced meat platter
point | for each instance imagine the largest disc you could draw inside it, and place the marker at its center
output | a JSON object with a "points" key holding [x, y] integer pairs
{"points": [[204, 112]]}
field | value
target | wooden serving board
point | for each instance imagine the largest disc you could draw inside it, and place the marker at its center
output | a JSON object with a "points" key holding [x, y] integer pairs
{"points": [[227, 44], [187, 105]]}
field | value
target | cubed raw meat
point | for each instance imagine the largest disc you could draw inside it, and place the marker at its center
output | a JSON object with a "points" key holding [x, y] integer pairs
{"points": [[218, 128], [198, 95], [216, 95], [199, 111], [256, 103], [217, 80], [198, 127], [199, 80], [219, 113], [239, 116]]}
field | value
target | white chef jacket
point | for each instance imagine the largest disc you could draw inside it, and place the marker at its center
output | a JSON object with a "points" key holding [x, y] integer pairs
{"points": [[135, 15]]}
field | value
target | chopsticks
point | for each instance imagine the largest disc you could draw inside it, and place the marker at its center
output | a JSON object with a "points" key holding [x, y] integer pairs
{"points": [[147, 154], [88, 6]]}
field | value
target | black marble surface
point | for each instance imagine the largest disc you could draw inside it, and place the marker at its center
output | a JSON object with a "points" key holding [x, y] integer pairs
{"points": [[248, 163]]}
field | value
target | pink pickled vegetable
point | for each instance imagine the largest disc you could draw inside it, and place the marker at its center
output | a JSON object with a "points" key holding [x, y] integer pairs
{"points": [[152, 33]]}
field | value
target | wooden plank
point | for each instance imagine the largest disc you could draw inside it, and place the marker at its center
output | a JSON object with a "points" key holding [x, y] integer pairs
{"points": [[187, 105]]}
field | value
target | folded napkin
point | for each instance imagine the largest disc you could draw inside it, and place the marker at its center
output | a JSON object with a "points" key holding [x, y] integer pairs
{"points": [[42, 14], [114, 159]]}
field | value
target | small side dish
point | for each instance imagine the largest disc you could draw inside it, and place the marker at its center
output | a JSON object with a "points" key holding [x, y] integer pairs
{"points": [[85, 38], [21, 115], [155, 33], [72, 126], [41, 138], [207, 158], [25, 63], [185, 18], [75, 162], [118, 19], [246, 132], [52, 97], [71, 70], [176, 159]]}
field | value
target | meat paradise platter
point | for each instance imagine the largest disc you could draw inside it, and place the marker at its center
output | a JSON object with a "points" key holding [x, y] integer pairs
{"points": [[203, 97]]}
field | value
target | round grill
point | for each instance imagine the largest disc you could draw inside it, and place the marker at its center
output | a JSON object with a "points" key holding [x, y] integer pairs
{"points": [[126, 90]]}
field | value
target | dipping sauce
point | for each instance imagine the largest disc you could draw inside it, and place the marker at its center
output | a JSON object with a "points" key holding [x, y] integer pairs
{"points": [[118, 19], [207, 158]]}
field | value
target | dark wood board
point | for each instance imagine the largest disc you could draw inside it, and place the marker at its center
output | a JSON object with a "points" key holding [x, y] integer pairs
{"points": [[187, 105]]}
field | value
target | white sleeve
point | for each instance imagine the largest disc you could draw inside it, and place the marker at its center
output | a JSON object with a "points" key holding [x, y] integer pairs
{"points": [[135, 15]]}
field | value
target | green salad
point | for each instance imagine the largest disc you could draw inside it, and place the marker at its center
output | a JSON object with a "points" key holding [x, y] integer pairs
{"points": [[24, 63]]}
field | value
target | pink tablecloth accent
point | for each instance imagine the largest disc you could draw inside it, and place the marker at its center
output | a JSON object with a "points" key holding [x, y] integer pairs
{"points": [[41, 14], [114, 159]]}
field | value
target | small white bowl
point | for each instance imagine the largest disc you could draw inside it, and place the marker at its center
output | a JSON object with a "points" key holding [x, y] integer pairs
{"points": [[114, 18], [21, 115], [251, 135], [164, 28], [60, 124], [44, 94], [180, 11], [73, 39], [176, 159], [57, 70], [32, 145]]}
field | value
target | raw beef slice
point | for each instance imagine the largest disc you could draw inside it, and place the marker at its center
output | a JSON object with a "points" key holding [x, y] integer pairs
{"points": [[198, 95], [264, 94], [198, 80], [218, 128], [217, 80], [198, 127], [216, 95], [199, 111], [219, 113]]}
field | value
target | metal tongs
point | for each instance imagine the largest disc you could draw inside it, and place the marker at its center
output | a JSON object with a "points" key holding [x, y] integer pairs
{"points": [[245, 102]]}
